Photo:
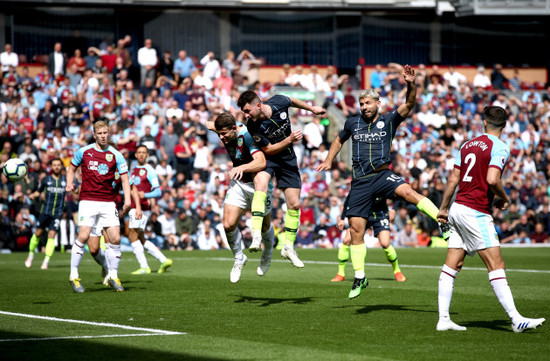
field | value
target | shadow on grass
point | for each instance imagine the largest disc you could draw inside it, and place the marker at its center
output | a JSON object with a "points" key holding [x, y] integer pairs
{"points": [[393, 307], [497, 325], [83, 350], [268, 301]]}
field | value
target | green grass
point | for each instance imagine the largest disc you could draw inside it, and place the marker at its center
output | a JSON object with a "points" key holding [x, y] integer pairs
{"points": [[290, 314]]}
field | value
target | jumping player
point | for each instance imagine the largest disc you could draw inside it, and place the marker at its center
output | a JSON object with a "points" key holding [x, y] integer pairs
{"points": [[247, 160], [269, 125], [372, 134]]}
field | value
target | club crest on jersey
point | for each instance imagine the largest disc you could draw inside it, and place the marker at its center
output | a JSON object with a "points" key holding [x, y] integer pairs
{"points": [[257, 138], [141, 172], [117, 175], [283, 115], [108, 157], [240, 142], [380, 125], [102, 169]]}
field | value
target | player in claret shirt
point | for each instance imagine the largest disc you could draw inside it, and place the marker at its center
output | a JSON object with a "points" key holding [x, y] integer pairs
{"points": [[477, 173], [98, 162], [146, 181]]}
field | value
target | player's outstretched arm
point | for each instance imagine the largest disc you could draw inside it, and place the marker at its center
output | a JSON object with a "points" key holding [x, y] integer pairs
{"points": [[332, 153], [410, 77], [297, 103], [452, 182]]}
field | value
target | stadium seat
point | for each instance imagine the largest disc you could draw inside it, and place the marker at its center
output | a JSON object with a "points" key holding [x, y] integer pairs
{"points": [[22, 58], [41, 58]]}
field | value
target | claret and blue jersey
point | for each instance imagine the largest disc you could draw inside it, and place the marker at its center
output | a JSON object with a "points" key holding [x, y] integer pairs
{"points": [[98, 172], [241, 150]]}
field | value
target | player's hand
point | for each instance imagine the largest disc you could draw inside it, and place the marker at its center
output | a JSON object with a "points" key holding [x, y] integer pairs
{"points": [[126, 207], [323, 166], [236, 173], [443, 216], [139, 213], [295, 135], [317, 110], [340, 224], [501, 203], [408, 74], [69, 187], [141, 194]]}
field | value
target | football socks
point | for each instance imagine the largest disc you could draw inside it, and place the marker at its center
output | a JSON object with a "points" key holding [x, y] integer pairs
{"points": [[292, 221], [427, 207], [154, 251], [498, 281], [358, 253], [445, 290], [391, 255], [76, 256], [140, 254], [258, 210], [343, 257]]}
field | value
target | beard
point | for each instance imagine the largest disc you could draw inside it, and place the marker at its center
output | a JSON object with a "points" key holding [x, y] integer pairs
{"points": [[370, 118]]}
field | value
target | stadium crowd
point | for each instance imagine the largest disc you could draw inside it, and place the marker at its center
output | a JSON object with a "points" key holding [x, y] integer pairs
{"points": [[150, 98]]}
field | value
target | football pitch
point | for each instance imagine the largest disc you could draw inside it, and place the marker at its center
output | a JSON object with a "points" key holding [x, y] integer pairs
{"points": [[193, 312]]}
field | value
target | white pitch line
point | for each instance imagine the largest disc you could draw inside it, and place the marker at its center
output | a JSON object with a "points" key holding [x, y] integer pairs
{"points": [[101, 324], [77, 337], [367, 264]]}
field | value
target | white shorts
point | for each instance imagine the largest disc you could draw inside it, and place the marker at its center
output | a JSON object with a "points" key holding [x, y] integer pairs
{"points": [[93, 213], [471, 230], [240, 195], [138, 223]]}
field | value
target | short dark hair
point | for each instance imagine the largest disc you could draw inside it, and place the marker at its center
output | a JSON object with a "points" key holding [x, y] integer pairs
{"points": [[54, 159], [224, 120], [142, 146], [247, 97], [495, 117]]}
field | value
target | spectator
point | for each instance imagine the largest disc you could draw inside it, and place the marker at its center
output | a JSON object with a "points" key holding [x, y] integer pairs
{"points": [[57, 62], [207, 237], [498, 80], [168, 224], [8, 58], [539, 235], [481, 80], [407, 237], [147, 60], [183, 67], [212, 69], [166, 65]]}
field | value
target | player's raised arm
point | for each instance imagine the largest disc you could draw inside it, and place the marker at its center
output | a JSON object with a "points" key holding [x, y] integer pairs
{"points": [[410, 77], [297, 103]]}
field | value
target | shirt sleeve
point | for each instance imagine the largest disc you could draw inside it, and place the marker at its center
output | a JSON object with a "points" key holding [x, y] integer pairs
{"points": [[121, 164], [152, 177], [250, 143], [499, 155], [77, 159], [346, 132]]}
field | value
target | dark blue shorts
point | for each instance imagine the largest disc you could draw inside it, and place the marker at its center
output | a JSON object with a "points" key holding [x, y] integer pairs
{"points": [[47, 221], [366, 189], [287, 174], [379, 221]]}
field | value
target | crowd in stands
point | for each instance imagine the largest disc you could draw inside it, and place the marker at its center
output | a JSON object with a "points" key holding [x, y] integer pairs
{"points": [[150, 98]]}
